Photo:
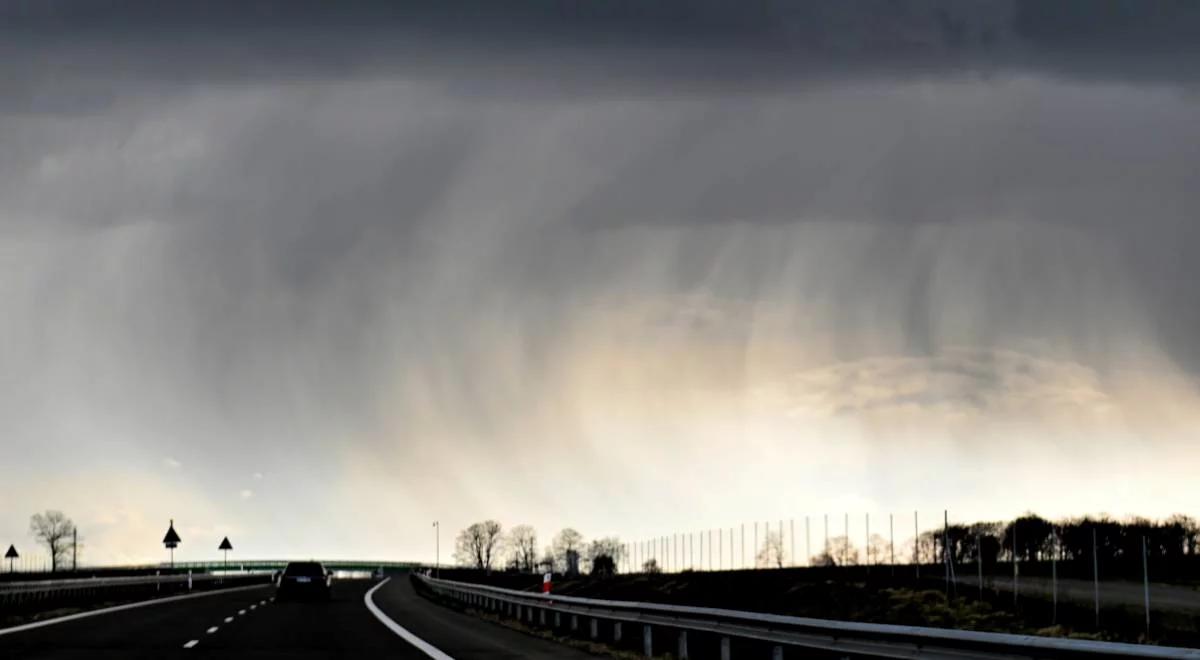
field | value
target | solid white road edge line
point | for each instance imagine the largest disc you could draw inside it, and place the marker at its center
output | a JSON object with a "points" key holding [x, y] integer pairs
{"points": [[191, 644], [118, 608], [427, 648]]}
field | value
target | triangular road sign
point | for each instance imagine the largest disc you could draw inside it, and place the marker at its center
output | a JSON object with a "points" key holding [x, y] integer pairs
{"points": [[171, 539], [225, 544], [12, 553]]}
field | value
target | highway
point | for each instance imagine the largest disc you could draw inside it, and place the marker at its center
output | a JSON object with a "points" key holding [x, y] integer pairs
{"points": [[247, 623]]}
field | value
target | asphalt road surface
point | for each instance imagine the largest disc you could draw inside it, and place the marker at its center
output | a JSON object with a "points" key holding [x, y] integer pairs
{"points": [[247, 623]]}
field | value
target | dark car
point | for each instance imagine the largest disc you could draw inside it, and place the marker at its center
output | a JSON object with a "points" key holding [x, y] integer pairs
{"points": [[304, 579]]}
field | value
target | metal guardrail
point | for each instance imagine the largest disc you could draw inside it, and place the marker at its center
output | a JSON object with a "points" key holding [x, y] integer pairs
{"points": [[842, 638]]}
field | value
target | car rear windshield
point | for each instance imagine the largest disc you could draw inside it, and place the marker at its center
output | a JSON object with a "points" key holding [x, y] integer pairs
{"points": [[309, 568]]}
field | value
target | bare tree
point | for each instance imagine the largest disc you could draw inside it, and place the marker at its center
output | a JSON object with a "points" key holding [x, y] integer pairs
{"points": [[54, 530], [772, 553], [522, 544], [842, 551], [567, 546], [479, 545], [608, 551]]}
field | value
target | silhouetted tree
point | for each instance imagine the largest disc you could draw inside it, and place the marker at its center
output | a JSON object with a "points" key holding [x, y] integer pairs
{"points": [[522, 544], [651, 566], [843, 551], [771, 554], [608, 547], [1033, 537], [479, 545], [54, 530], [567, 547]]}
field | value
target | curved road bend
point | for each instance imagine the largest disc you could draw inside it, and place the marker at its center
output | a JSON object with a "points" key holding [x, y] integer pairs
{"points": [[248, 624]]}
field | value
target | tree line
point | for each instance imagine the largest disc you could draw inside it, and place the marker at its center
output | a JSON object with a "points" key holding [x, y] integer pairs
{"points": [[486, 546]]}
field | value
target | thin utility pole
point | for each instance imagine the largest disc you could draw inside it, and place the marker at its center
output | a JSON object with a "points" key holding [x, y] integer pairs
{"points": [[917, 544], [792, 530], [892, 541], [1095, 578], [846, 533], [807, 544]]}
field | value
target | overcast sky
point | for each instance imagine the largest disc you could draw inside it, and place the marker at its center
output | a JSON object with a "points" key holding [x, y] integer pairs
{"points": [[314, 278]]}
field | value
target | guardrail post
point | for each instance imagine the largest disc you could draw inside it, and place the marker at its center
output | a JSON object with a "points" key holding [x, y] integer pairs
{"points": [[725, 652], [574, 623], [617, 631], [542, 617], [777, 653], [595, 628], [683, 653], [557, 620], [647, 642]]}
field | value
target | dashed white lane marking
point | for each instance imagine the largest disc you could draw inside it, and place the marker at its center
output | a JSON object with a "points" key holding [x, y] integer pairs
{"points": [[212, 630], [427, 648], [262, 602], [241, 612], [191, 644], [272, 599], [254, 607], [121, 608], [228, 619]]}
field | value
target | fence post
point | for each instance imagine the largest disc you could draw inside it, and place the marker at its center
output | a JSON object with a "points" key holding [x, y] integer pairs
{"points": [[979, 562], [917, 544], [1146, 586], [647, 641], [1095, 578], [1016, 565], [1054, 575]]}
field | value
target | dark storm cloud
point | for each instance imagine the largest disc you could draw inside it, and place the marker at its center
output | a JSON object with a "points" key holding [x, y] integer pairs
{"points": [[338, 151]]}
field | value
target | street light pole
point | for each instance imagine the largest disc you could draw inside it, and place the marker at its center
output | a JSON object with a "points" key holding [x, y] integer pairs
{"points": [[437, 558]]}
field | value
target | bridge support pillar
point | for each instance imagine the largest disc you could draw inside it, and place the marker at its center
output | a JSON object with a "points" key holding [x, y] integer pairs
{"points": [[647, 642], [725, 653], [617, 631]]}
